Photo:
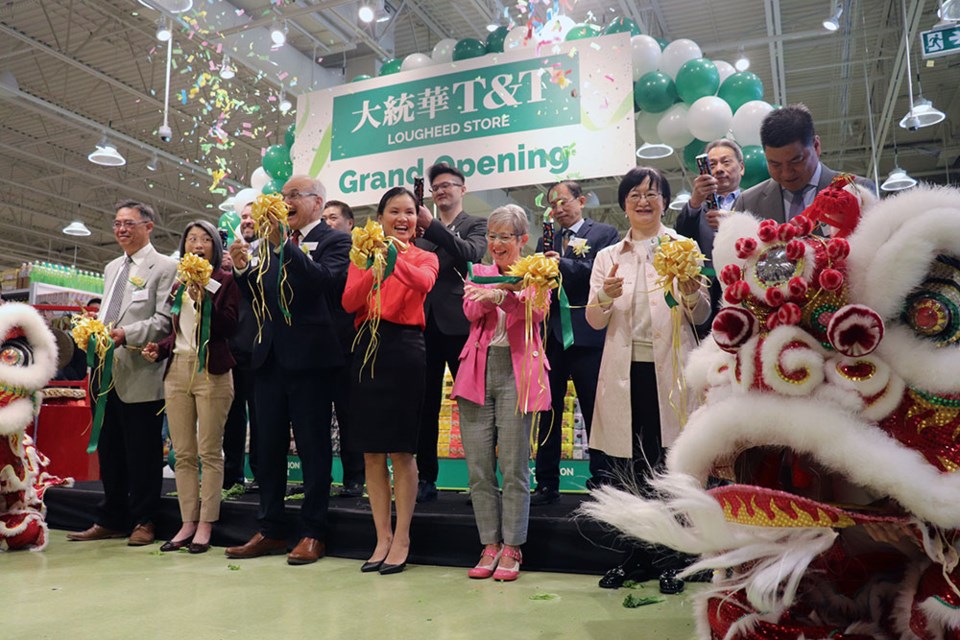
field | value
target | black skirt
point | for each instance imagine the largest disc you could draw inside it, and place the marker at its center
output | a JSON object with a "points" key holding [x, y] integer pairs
{"points": [[386, 394]]}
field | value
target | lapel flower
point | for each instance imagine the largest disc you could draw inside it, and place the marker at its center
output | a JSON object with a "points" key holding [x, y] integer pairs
{"points": [[579, 247], [138, 282], [304, 248]]}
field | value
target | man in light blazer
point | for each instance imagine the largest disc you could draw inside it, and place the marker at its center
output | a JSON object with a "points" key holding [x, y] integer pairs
{"points": [[137, 307], [792, 150]]}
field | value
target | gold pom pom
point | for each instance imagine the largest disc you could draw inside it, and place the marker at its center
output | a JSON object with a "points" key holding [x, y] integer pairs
{"points": [[368, 240], [194, 269], [84, 327], [677, 260], [539, 272], [266, 204]]}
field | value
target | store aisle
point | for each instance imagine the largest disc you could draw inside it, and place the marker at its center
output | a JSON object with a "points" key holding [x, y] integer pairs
{"points": [[106, 590]]}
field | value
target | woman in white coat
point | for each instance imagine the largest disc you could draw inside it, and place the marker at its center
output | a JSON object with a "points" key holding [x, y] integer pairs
{"points": [[633, 419]]}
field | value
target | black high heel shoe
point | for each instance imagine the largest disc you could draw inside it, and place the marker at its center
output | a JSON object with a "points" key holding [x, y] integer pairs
{"points": [[371, 566], [387, 569]]}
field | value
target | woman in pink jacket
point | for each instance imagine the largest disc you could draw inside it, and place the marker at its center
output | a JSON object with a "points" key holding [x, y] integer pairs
{"points": [[501, 385]]}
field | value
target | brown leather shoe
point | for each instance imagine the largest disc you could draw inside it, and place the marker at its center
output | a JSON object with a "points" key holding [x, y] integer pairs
{"points": [[142, 535], [307, 550], [257, 546], [96, 532]]}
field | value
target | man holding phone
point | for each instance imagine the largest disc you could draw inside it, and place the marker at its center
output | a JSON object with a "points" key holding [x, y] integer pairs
{"points": [[698, 220]]}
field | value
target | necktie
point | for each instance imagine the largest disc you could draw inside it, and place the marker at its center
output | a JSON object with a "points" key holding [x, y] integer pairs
{"points": [[796, 202], [296, 237], [116, 294], [567, 235]]}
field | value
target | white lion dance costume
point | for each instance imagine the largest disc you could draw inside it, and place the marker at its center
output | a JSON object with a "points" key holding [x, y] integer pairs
{"points": [[28, 359], [831, 409]]}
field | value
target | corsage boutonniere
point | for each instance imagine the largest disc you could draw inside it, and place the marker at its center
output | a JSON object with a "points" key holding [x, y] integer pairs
{"points": [[579, 247], [138, 282], [305, 248]]}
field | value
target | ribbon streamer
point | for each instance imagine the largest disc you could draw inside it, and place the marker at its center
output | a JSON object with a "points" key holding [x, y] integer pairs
{"points": [[101, 379], [203, 325]]}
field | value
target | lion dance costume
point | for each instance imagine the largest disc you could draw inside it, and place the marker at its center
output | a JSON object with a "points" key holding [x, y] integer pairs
{"points": [[28, 359], [820, 477]]}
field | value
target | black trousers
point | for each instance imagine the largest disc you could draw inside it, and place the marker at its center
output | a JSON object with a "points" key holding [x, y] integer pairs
{"points": [[582, 364], [131, 462], [302, 398], [442, 349], [235, 429], [352, 461]]}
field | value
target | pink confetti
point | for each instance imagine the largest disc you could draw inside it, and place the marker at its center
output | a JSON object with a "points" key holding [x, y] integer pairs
{"points": [[609, 77]]}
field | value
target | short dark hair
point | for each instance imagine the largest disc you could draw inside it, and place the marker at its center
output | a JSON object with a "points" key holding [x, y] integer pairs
{"points": [[343, 206], [391, 194], [145, 210], [210, 230], [442, 168], [729, 144], [792, 123], [636, 176], [572, 185]]}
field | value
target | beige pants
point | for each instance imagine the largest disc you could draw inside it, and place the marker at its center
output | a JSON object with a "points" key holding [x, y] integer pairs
{"points": [[197, 406]]}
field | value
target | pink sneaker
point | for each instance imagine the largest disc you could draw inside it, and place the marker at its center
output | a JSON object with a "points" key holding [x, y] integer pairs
{"points": [[480, 572], [509, 575]]}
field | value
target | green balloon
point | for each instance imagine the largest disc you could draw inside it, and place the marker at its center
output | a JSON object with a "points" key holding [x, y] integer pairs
{"points": [[274, 186], [663, 43], [654, 92], [468, 48], [740, 88], [277, 163], [690, 153], [290, 135], [622, 25], [755, 167], [697, 79], [390, 66], [229, 222], [495, 40], [363, 76], [582, 31]]}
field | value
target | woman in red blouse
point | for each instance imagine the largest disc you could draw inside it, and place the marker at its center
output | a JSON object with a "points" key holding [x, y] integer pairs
{"points": [[387, 399]]}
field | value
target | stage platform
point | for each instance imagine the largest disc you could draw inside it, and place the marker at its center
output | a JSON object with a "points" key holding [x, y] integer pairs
{"points": [[443, 533]]}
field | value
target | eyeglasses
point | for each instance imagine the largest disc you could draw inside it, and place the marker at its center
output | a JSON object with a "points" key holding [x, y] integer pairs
{"points": [[294, 195], [502, 237], [635, 196], [443, 186], [128, 224]]}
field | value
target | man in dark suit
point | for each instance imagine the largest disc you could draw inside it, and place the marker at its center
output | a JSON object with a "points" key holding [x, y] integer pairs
{"points": [[575, 245], [792, 149], [295, 362], [456, 238]]}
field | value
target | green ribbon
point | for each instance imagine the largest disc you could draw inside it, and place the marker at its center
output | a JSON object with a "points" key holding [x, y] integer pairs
{"points": [[206, 312], [392, 254], [566, 320], [104, 381], [280, 271]]}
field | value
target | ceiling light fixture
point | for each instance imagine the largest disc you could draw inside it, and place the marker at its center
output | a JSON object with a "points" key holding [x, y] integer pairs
{"points": [[898, 180], [173, 6], [493, 26], [682, 198], [833, 22], [278, 34], [949, 10], [743, 62], [76, 228], [154, 162], [227, 72], [648, 151], [366, 12], [922, 113], [106, 154], [227, 205], [284, 105], [163, 30]]}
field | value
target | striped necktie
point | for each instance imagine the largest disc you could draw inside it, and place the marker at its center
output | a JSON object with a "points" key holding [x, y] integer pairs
{"points": [[116, 294]]}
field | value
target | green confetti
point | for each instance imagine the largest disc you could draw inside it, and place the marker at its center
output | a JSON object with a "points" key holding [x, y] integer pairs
{"points": [[233, 567], [632, 601], [544, 596], [295, 496], [156, 552], [632, 584]]}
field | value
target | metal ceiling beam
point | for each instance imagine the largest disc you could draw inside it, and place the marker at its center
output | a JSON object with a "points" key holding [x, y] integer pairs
{"points": [[429, 22], [283, 14], [775, 32]]}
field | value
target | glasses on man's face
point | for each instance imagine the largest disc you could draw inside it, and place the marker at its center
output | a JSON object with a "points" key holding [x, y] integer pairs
{"points": [[502, 237], [127, 224], [444, 186], [636, 196], [294, 195]]}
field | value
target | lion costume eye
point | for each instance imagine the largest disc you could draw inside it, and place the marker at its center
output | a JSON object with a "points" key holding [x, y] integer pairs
{"points": [[15, 353], [932, 309]]}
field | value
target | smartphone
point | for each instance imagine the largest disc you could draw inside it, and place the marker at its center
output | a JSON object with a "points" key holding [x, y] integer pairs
{"points": [[703, 164], [418, 191], [223, 237]]}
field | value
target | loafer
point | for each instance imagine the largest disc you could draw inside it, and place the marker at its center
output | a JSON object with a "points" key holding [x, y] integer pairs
{"points": [[426, 491], [142, 535], [96, 532], [176, 545], [307, 551], [198, 547], [542, 497], [257, 546]]}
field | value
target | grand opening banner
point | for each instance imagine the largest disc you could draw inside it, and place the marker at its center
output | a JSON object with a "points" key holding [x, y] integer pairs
{"points": [[528, 116]]}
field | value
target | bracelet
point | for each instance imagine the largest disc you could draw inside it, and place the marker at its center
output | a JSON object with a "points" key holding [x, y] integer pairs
{"points": [[501, 296]]}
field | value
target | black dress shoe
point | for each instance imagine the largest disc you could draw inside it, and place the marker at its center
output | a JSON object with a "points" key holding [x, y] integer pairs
{"points": [[197, 547], [176, 545], [670, 583], [387, 569], [614, 578], [371, 566], [542, 497], [426, 492], [351, 490]]}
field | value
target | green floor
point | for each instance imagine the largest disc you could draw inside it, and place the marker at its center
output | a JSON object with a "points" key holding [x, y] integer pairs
{"points": [[106, 590]]}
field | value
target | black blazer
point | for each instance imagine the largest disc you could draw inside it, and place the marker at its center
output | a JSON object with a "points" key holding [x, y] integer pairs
{"points": [[314, 286], [465, 241], [575, 271]]}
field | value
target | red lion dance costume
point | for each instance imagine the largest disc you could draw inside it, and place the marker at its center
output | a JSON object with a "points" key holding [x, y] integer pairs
{"points": [[28, 359], [831, 414]]}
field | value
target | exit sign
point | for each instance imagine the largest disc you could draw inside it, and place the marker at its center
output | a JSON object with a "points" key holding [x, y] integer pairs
{"points": [[940, 42]]}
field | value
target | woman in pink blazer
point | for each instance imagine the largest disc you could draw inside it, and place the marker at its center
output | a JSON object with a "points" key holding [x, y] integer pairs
{"points": [[501, 385]]}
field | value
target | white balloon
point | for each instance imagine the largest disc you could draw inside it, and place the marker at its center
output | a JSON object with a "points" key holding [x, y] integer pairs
{"points": [[554, 30], [646, 124], [645, 52], [747, 120], [673, 129], [725, 68], [245, 197], [259, 178], [516, 39], [415, 61], [709, 118], [677, 54], [443, 51]]}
